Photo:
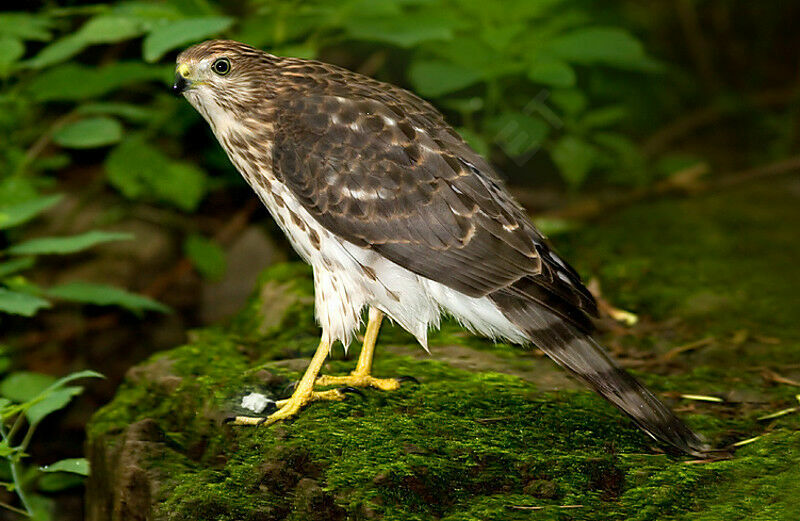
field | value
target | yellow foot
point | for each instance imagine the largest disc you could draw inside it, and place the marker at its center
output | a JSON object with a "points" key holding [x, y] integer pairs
{"points": [[289, 407], [364, 380]]}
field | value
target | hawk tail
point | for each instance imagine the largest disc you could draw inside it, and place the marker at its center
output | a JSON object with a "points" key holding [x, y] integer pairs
{"points": [[585, 358]]}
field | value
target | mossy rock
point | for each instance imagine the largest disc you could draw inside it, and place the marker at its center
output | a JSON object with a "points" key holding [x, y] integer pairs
{"points": [[490, 432]]}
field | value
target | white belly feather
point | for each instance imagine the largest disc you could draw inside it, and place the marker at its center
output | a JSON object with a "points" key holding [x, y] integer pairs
{"points": [[348, 277]]}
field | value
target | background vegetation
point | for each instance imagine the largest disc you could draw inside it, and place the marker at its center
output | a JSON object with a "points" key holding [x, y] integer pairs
{"points": [[118, 211]]}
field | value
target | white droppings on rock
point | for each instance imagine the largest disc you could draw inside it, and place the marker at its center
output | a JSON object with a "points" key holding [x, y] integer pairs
{"points": [[256, 402]]}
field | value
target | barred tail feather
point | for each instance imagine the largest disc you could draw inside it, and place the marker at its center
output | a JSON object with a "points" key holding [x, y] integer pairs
{"points": [[585, 358]]}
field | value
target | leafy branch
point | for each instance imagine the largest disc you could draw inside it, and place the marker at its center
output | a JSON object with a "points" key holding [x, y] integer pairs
{"points": [[25, 400]]}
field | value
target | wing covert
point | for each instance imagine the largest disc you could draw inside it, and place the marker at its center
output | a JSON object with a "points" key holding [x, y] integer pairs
{"points": [[393, 179]]}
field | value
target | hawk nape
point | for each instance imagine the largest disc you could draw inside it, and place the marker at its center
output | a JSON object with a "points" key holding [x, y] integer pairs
{"points": [[395, 212]]}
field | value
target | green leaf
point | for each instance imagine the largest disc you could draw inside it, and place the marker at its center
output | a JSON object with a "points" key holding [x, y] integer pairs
{"points": [[71, 82], [77, 375], [556, 73], [57, 52], [11, 50], [471, 53], [500, 37], [306, 51], [24, 386], [206, 255], [26, 26], [59, 481], [623, 159], [518, 133], [89, 133], [51, 402], [574, 158], [43, 507], [152, 14], [128, 111], [73, 465], [64, 245], [100, 29], [182, 184], [604, 117], [571, 101], [404, 31], [139, 170], [16, 189], [602, 45], [109, 29], [175, 34], [15, 214], [5, 452], [551, 226], [103, 295], [40, 394], [475, 140], [17, 303], [15, 265], [435, 78]]}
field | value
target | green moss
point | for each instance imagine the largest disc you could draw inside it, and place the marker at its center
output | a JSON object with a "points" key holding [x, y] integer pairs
{"points": [[467, 445], [721, 263]]}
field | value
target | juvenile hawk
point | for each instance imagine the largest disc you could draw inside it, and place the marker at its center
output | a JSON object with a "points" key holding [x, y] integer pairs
{"points": [[395, 212]]}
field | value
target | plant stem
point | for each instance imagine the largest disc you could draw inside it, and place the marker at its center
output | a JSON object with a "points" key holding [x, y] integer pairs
{"points": [[40, 144], [14, 428], [18, 488], [12, 463], [13, 509]]}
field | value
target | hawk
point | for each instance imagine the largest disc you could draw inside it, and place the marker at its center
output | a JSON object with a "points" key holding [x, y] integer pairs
{"points": [[397, 214]]}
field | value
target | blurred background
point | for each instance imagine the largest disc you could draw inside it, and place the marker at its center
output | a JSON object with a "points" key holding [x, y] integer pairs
{"points": [[123, 225]]}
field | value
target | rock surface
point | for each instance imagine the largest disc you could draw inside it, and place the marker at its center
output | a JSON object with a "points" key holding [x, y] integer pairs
{"points": [[490, 432]]}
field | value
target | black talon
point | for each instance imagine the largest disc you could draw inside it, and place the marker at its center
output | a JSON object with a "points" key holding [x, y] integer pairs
{"points": [[271, 407], [231, 419], [402, 379], [345, 390], [290, 387]]}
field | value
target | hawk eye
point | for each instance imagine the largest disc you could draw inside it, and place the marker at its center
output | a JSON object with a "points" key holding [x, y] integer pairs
{"points": [[222, 66]]}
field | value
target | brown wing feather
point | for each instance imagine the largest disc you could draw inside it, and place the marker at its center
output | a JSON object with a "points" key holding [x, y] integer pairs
{"points": [[386, 172]]}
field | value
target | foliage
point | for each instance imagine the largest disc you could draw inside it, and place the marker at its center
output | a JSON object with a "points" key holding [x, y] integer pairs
{"points": [[519, 76], [25, 400], [20, 296], [27, 162], [206, 255]]}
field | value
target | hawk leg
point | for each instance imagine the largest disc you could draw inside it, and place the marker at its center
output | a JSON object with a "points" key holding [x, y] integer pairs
{"points": [[304, 391], [361, 376], [303, 394]]}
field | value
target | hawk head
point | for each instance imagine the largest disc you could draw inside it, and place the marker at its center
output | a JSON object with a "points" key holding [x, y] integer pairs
{"points": [[222, 75]]}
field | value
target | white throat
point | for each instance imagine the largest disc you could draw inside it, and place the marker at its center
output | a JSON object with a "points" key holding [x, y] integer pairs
{"points": [[222, 122]]}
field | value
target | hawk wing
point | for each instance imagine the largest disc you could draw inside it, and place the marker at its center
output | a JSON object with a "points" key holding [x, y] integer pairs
{"points": [[390, 175], [385, 172]]}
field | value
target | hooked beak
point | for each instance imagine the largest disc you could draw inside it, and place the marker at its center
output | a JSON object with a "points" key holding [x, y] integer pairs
{"points": [[181, 81], [180, 85]]}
